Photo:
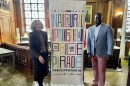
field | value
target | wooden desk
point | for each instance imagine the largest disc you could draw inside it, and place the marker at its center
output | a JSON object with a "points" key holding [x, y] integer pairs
{"points": [[127, 45], [5, 52]]}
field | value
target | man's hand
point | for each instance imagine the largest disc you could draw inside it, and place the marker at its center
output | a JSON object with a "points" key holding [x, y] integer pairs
{"points": [[40, 58], [90, 56]]}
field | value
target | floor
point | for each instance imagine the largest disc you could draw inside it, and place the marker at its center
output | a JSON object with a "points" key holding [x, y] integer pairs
{"points": [[8, 77]]}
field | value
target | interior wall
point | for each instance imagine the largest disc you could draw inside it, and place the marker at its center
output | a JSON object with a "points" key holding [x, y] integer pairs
{"points": [[93, 12], [108, 8], [109, 13], [0, 30], [98, 6], [118, 6], [101, 7], [47, 19], [19, 16], [7, 24]]}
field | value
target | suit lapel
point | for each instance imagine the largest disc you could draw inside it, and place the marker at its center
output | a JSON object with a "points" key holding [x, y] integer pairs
{"points": [[100, 31], [43, 35], [93, 32]]}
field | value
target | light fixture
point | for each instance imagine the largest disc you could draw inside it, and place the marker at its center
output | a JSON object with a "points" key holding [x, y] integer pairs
{"points": [[120, 13]]}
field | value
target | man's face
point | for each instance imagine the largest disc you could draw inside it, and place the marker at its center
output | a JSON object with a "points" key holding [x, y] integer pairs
{"points": [[98, 19]]}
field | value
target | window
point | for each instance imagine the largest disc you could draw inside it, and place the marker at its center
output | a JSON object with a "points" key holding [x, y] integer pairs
{"points": [[128, 22], [33, 9]]}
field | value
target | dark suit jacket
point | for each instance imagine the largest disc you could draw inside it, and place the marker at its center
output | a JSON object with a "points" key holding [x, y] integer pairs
{"points": [[35, 47]]}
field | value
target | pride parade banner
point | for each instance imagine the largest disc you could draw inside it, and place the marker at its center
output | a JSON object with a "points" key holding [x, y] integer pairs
{"points": [[67, 23]]}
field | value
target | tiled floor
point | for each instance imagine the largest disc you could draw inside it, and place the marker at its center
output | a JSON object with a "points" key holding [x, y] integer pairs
{"points": [[113, 78]]}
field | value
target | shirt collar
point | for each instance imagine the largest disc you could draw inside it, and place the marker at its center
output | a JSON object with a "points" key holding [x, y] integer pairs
{"points": [[97, 26]]}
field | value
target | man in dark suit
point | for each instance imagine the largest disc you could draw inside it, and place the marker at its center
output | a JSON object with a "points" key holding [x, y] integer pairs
{"points": [[39, 52], [99, 48]]}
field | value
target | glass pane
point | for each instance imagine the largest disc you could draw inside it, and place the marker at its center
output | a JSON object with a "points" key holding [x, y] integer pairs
{"points": [[43, 21], [34, 14], [33, 1], [28, 21], [128, 30], [127, 26], [128, 22], [128, 6], [26, 1], [40, 1], [34, 19], [34, 6], [41, 14], [27, 14], [27, 6], [28, 29], [128, 13], [40, 6]]}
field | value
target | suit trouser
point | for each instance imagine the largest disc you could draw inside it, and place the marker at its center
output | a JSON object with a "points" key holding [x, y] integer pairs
{"points": [[99, 70]]}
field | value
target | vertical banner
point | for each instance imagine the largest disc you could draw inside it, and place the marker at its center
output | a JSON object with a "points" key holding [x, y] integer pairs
{"points": [[67, 23]]}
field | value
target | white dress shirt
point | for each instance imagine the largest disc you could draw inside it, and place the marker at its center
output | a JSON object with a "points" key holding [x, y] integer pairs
{"points": [[96, 31]]}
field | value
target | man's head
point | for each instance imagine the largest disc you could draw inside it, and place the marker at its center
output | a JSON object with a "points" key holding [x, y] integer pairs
{"points": [[98, 19]]}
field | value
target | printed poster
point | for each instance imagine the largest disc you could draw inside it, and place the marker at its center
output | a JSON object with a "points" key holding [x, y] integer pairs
{"points": [[67, 24]]}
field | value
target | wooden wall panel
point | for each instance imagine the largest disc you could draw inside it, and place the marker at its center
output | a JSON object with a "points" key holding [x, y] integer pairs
{"points": [[93, 13], [98, 6], [18, 6], [0, 30], [7, 25], [5, 30], [109, 10], [47, 19], [109, 13], [101, 7], [118, 6]]}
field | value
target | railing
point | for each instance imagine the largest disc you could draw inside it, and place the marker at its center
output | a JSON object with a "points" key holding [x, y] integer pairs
{"points": [[22, 57]]}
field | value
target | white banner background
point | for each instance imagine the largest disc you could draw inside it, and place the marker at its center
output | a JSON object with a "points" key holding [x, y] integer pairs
{"points": [[67, 23]]}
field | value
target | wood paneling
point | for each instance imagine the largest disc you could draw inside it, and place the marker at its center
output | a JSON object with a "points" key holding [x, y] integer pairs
{"points": [[118, 6], [7, 24], [93, 13], [0, 30], [5, 35], [18, 6], [109, 10], [109, 13], [101, 7], [47, 19]]}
